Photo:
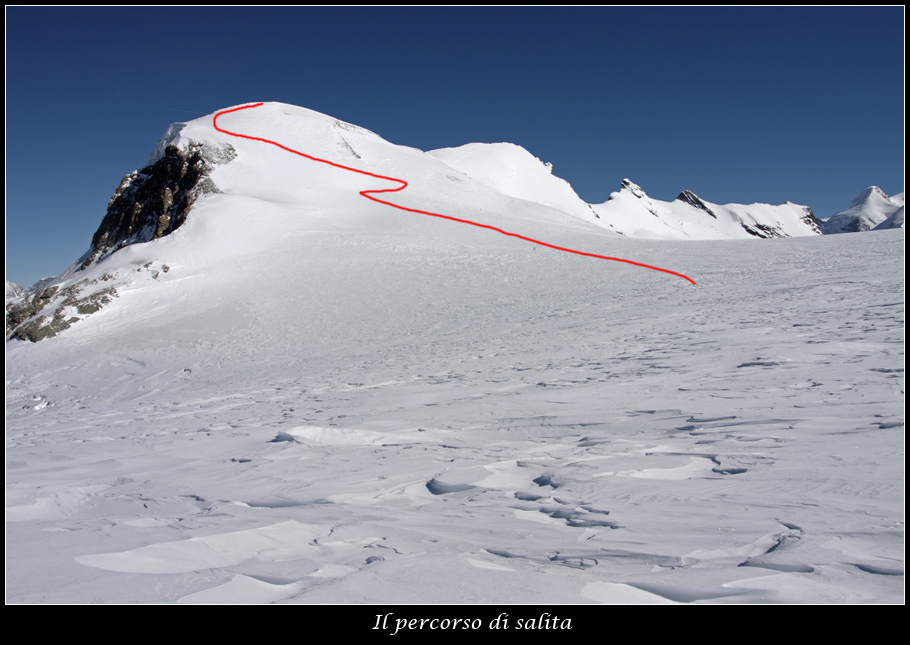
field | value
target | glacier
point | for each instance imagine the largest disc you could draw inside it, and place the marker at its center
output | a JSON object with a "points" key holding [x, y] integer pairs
{"points": [[325, 400]]}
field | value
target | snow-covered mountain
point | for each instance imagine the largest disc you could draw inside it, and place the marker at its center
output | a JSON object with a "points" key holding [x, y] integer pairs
{"points": [[252, 180], [273, 387], [14, 290], [631, 212], [872, 209], [511, 170]]}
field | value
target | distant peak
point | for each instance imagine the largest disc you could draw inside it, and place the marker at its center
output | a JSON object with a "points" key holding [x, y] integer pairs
{"points": [[869, 193], [632, 187], [690, 198]]}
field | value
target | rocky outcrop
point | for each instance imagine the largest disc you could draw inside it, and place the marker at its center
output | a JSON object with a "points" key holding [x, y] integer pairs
{"points": [[46, 312], [155, 201], [811, 221], [635, 190], [692, 199], [766, 231], [632, 187], [762, 230], [148, 204]]}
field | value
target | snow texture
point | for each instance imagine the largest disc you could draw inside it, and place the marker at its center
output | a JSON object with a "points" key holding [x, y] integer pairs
{"points": [[327, 400]]}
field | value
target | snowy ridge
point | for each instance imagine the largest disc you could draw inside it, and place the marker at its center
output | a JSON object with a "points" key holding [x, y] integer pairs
{"points": [[247, 196], [513, 171], [480, 176], [632, 212], [484, 172]]}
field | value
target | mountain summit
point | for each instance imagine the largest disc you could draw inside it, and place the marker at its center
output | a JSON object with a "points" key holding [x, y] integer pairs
{"points": [[871, 209], [246, 182]]}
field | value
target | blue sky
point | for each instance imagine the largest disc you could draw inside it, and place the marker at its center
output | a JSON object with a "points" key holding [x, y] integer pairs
{"points": [[736, 104]]}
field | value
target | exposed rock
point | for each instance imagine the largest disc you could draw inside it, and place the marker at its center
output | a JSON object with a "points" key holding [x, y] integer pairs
{"points": [[632, 187], [692, 199], [767, 231], [28, 317], [810, 219], [762, 230], [41, 328], [21, 309], [156, 200]]}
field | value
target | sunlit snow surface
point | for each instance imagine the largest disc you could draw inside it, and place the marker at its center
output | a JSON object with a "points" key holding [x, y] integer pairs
{"points": [[326, 400], [494, 425]]}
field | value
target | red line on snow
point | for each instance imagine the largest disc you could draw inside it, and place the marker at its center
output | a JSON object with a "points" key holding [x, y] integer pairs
{"points": [[369, 195]]}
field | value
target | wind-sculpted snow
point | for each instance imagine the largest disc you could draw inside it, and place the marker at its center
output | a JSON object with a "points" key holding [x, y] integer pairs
{"points": [[391, 418]]}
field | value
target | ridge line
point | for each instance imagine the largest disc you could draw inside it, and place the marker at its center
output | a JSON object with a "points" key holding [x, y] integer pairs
{"points": [[368, 194]]}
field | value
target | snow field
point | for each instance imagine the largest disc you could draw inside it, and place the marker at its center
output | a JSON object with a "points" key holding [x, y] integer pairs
{"points": [[399, 417]]}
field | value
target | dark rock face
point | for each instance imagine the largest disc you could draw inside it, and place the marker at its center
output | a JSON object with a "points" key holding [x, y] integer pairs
{"points": [[692, 199], [762, 230], [811, 221], [148, 204], [155, 201]]}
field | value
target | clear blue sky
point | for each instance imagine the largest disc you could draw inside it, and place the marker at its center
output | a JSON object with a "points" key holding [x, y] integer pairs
{"points": [[736, 104]]}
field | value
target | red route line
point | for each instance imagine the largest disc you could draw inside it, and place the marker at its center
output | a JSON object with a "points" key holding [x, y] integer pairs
{"points": [[369, 195]]}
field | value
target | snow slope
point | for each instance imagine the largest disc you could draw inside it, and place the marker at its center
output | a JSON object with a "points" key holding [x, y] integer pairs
{"points": [[895, 220], [395, 423], [511, 170], [322, 399]]}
